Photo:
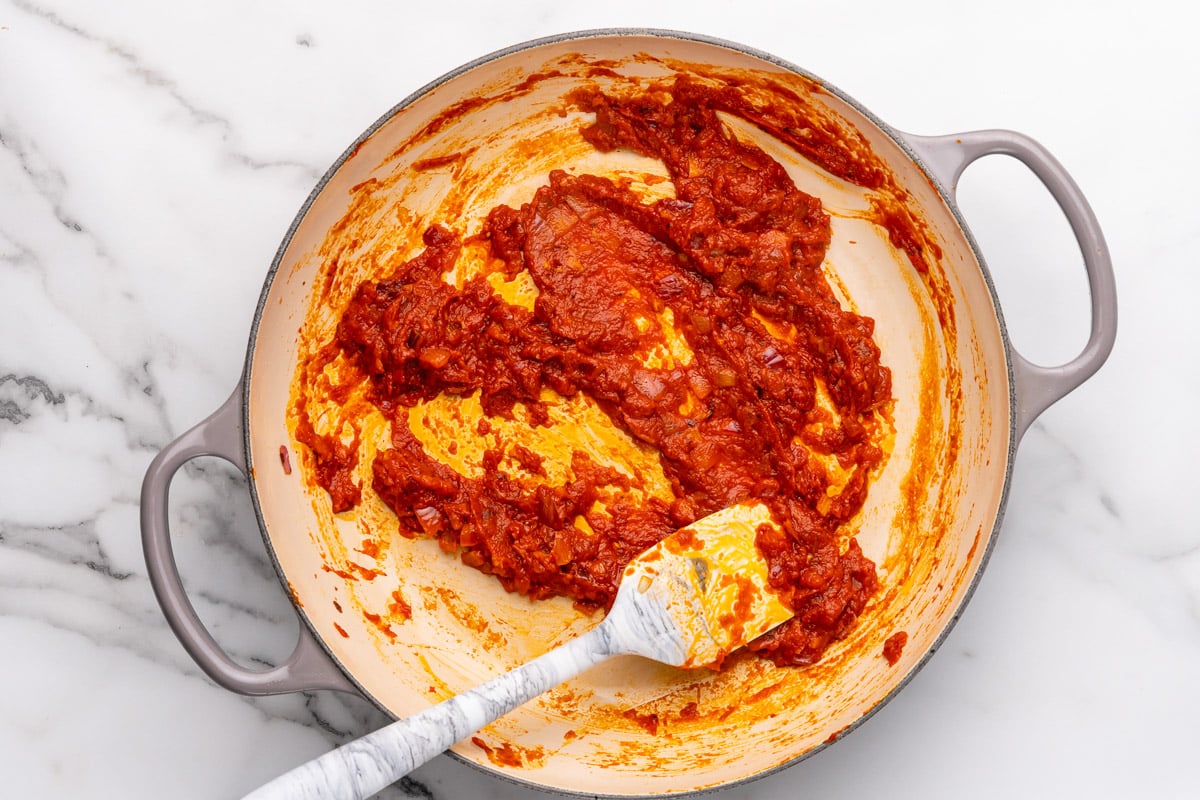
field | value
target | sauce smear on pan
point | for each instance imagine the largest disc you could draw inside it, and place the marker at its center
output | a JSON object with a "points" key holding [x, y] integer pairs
{"points": [[701, 324]]}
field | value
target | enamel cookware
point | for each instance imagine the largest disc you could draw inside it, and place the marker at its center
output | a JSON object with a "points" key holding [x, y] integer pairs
{"points": [[405, 624]]}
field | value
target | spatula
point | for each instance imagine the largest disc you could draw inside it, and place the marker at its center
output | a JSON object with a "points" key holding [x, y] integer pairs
{"points": [[689, 601]]}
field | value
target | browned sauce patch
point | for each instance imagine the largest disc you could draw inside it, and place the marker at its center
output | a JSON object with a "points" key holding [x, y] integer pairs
{"points": [[380, 624], [440, 162], [646, 720], [353, 572], [509, 754], [469, 616], [398, 607], [893, 648]]}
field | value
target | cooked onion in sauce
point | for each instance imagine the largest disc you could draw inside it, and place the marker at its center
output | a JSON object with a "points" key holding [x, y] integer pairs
{"points": [[700, 324]]}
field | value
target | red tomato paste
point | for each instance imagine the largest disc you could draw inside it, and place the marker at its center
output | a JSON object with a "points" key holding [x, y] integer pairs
{"points": [[782, 380]]}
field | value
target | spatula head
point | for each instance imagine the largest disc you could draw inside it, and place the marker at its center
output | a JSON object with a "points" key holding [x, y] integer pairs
{"points": [[709, 581]]}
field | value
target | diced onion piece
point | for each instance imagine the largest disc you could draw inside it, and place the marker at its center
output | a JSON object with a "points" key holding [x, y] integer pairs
{"points": [[725, 378], [435, 357], [430, 518]]}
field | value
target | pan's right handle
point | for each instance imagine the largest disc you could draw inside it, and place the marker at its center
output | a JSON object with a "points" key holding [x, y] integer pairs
{"points": [[308, 667], [1038, 387]]}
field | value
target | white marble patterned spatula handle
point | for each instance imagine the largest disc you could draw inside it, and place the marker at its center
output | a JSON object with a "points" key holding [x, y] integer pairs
{"points": [[671, 606], [366, 766]]}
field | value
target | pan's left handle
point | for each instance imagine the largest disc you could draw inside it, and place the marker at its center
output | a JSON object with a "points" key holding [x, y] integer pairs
{"points": [[308, 667], [1038, 387]]}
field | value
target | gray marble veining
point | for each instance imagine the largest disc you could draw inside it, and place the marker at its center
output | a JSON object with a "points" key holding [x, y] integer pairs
{"points": [[153, 154]]}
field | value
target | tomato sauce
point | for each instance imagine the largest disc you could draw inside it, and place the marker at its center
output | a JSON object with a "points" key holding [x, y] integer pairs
{"points": [[893, 648], [782, 382]]}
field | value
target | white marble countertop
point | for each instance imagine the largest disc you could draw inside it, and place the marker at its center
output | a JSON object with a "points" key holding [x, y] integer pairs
{"points": [[151, 157]]}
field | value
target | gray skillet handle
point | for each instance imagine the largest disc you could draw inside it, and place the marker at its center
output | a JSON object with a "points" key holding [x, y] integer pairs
{"points": [[308, 667], [1038, 387]]}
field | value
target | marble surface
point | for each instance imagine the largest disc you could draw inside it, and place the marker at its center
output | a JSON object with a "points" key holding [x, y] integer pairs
{"points": [[151, 157]]}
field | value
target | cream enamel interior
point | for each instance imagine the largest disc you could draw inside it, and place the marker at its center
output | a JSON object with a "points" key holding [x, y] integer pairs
{"points": [[952, 422]]}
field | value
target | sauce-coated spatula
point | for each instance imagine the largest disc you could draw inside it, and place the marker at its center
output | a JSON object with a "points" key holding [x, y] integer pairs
{"points": [[689, 601]]}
